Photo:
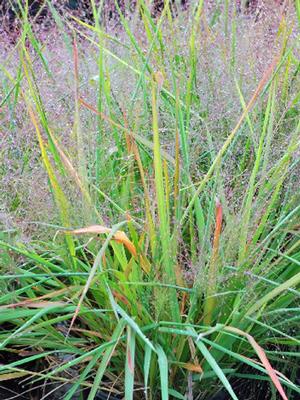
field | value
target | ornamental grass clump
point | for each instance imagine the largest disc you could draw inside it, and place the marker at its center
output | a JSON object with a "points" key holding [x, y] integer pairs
{"points": [[164, 261]]}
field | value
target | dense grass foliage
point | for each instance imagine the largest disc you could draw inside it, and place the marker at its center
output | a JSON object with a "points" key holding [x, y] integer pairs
{"points": [[149, 242]]}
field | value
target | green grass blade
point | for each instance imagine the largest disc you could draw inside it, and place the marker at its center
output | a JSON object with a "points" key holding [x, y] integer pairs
{"points": [[216, 368], [146, 368], [129, 364], [163, 370], [105, 359]]}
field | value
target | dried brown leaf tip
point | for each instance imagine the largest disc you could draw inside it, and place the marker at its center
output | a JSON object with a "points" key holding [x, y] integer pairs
{"points": [[118, 236]]}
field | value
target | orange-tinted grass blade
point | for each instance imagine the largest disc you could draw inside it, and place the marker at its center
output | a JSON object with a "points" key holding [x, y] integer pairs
{"points": [[35, 304], [213, 268], [129, 361], [219, 215], [121, 298], [129, 357], [183, 303], [263, 358], [87, 332], [37, 299], [278, 373], [119, 236], [192, 367]]}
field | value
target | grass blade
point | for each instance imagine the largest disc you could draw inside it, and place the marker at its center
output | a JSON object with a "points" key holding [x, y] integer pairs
{"points": [[129, 364], [163, 370], [106, 358], [216, 368], [262, 356]]}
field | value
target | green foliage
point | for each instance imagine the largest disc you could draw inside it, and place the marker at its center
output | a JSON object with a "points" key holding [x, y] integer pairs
{"points": [[186, 293]]}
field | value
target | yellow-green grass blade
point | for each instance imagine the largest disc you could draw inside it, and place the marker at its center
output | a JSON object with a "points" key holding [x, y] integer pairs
{"points": [[168, 261], [294, 281], [60, 197]]}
